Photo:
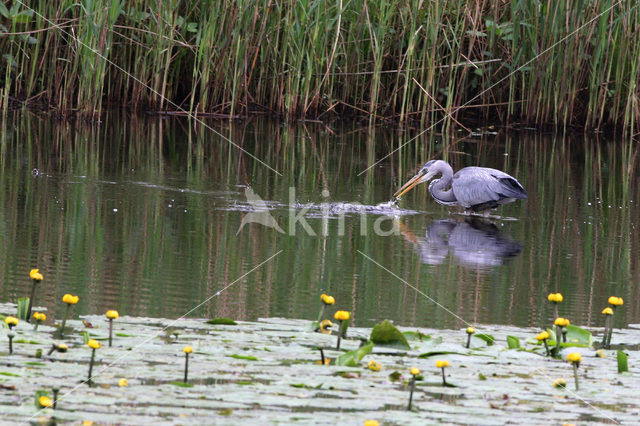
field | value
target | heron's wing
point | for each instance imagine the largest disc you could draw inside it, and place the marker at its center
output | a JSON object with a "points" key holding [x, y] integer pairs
{"points": [[479, 185]]}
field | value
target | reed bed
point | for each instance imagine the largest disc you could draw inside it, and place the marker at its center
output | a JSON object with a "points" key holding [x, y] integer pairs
{"points": [[561, 63]]}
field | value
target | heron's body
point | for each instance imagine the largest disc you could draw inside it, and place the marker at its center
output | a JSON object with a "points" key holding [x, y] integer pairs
{"points": [[474, 188]]}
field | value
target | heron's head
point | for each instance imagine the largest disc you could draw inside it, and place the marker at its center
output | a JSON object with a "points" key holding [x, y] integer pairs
{"points": [[426, 173]]}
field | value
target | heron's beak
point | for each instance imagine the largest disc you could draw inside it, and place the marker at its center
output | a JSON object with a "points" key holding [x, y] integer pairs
{"points": [[419, 178]]}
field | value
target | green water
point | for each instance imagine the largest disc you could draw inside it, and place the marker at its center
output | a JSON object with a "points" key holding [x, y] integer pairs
{"points": [[144, 215]]}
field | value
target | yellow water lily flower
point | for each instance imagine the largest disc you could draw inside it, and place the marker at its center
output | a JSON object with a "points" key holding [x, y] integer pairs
{"points": [[607, 311], [562, 322], [94, 344], [36, 275], [574, 358], [327, 300], [555, 297], [11, 321], [371, 423], [324, 325], [123, 383], [62, 347], [616, 301], [471, 330], [112, 315], [342, 315], [414, 371], [45, 401], [542, 336], [374, 365], [441, 363], [187, 350], [39, 316], [327, 361], [600, 353], [70, 300], [560, 383]]}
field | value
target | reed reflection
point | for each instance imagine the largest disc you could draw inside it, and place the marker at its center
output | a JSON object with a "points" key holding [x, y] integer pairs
{"points": [[473, 243]]}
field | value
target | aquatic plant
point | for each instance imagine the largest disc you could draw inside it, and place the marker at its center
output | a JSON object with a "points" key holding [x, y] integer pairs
{"points": [[325, 326], [326, 301], [70, 301], [608, 313], [11, 322], [58, 347], [371, 423], [374, 365], [442, 364], [470, 331], [45, 402], [187, 350], [94, 345], [615, 302], [343, 319], [414, 371], [561, 324], [36, 277], [55, 391], [39, 317], [555, 298], [111, 315], [543, 336], [560, 383], [123, 383], [575, 358]]}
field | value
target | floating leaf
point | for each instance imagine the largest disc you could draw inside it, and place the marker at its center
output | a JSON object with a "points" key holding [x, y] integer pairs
{"points": [[222, 321], [513, 342], [489, 339], [622, 362], [416, 335], [182, 384], [434, 353], [247, 357], [386, 334], [353, 358]]}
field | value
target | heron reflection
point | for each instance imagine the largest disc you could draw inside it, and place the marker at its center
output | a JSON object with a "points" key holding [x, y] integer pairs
{"points": [[472, 243]]}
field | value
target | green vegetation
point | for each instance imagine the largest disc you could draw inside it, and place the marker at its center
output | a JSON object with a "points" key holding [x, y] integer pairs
{"points": [[562, 63]]}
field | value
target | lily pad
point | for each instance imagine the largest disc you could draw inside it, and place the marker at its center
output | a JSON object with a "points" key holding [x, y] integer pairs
{"points": [[222, 321], [247, 357], [386, 334]]}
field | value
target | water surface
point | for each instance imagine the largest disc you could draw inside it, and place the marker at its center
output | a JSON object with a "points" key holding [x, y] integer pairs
{"points": [[162, 217]]}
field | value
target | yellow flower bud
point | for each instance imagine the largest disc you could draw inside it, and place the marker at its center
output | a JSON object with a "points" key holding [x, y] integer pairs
{"points": [[562, 322], [11, 321], [607, 311], [371, 423], [442, 363], [39, 316], [123, 383], [616, 301], [45, 401], [555, 297], [327, 300], [69, 299], [542, 336], [574, 357], [187, 349], [36, 275], [414, 371], [94, 344], [62, 347], [374, 365], [560, 383], [471, 330], [342, 315], [112, 314]]}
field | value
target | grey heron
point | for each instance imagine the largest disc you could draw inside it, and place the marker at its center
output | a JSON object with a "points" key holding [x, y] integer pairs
{"points": [[474, 188]]}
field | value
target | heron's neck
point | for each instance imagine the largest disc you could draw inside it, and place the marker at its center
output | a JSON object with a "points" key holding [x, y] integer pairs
{"points": [[437, 190]]}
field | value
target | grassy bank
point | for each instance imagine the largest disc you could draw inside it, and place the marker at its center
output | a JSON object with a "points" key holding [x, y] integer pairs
{"points": [[562, 63]]}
